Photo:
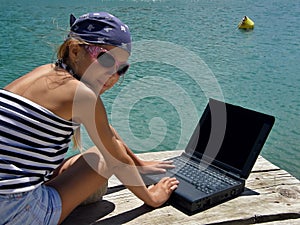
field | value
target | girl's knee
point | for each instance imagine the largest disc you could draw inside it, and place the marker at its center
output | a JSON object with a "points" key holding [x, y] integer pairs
{"points": [[96, 161]]}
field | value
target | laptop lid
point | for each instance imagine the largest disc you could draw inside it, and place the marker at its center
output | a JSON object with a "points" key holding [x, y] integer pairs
{"points": [[230, 137]]}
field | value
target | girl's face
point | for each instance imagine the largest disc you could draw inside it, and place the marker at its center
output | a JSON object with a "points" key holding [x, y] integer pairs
{"points": [[105, 66]]}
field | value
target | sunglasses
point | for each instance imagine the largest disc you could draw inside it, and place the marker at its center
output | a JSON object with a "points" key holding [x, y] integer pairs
{"points": [[106, 59]]}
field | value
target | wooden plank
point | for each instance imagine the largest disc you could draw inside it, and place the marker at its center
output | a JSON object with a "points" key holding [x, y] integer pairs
{"points": [[272, 196]]}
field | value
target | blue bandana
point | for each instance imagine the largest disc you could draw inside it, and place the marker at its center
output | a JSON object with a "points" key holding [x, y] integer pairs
{"points": [[101, 28]]}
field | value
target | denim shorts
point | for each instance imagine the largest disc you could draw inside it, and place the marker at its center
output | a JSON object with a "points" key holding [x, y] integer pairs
{"points": [[39, 206]]}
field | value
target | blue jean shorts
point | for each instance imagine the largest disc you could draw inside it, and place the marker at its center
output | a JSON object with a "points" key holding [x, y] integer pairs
{"points": [[39, 206]]}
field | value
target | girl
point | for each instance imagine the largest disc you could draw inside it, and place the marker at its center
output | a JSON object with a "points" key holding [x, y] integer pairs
{"points": [[43, 109]]}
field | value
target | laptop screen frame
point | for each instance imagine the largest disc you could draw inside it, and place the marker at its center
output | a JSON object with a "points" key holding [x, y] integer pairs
{"points": [[216, 138]]}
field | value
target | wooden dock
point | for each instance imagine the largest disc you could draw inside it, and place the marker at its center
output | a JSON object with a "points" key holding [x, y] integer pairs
{"points": [[272, 196]]}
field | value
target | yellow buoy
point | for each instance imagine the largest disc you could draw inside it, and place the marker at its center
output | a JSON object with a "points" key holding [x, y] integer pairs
{"points": [[246, 23]]}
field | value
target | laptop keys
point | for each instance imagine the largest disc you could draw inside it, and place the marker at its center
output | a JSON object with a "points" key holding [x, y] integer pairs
{"points": [[204, 180]]}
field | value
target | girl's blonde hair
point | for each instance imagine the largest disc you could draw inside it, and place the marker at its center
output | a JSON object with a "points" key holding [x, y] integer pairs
{"points": [[63, 50], [63, 54]]}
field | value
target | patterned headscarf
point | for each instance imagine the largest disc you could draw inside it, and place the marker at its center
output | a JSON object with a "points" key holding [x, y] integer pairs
{"points": [[101, 28]]}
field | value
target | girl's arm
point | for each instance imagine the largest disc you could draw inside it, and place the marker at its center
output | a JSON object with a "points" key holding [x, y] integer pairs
{"points": [[144, 166], [89, 110]]}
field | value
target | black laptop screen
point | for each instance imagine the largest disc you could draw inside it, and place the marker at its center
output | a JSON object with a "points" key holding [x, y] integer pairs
{"points": [[230, 135]]}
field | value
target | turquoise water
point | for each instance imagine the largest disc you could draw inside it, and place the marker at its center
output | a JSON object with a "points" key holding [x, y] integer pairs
{"points": [[184, 52]]}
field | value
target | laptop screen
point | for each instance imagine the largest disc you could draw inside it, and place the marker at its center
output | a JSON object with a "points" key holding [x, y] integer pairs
{"points": [[230, 136]]}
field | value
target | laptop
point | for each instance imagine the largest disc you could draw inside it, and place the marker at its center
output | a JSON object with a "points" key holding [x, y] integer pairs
{"points": [[218, 157]]}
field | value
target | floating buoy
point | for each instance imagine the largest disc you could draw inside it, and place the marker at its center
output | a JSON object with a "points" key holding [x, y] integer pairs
{"points": [[246, 23]]}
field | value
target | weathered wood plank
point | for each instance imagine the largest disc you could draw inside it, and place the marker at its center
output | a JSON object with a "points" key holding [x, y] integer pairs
{"points": [[272, 196]]}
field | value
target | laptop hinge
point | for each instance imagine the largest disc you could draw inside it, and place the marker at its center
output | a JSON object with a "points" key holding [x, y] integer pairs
{"points": [[230, 173], [234, 175]]}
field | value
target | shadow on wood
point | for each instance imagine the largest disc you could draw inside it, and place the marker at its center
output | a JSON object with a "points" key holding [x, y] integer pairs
{"points": [[88, 214], [126, 216], [114, 189]]}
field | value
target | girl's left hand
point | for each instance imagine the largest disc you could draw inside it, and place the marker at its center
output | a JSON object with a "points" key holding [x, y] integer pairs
{"points": [[147, 167]]}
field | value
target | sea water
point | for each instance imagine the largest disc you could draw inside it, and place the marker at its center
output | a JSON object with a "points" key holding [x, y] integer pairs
{"points": [[183, 53]]}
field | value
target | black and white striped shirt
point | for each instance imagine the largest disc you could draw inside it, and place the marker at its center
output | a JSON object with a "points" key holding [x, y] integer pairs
{"points": [[33, 142]]}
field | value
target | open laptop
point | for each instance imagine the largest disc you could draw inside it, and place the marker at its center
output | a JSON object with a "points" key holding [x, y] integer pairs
{"points": [[218, 158]]}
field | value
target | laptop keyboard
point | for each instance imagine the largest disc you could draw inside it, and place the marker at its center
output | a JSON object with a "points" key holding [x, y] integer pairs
{"points": [[207, 181]]}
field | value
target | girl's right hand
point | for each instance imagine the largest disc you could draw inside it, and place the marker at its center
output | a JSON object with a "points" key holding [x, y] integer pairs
{"points": [[162, 191]]}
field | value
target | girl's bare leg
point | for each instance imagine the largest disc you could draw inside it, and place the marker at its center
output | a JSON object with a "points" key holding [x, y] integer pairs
{"points": [[78, 178]]}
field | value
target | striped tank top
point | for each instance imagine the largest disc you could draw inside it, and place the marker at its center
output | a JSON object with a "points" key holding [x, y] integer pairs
{"points": [[33, 142]]}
